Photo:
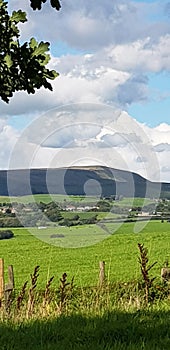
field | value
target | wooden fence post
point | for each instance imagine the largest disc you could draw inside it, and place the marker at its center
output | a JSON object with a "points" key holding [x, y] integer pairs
{"points": [[9, 286], [101, 272], [1, 279]]}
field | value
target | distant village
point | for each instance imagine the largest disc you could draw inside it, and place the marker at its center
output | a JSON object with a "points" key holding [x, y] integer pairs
{"points": [[18, 214]]}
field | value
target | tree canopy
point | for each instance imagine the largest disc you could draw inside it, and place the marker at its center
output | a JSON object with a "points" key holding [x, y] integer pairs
{"points": [[22, 66]]}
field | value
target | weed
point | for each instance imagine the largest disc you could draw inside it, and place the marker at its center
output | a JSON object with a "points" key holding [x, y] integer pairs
{"points": [[47, 298], [145, 268], [31, 294], [21, 296], [63, 292]]}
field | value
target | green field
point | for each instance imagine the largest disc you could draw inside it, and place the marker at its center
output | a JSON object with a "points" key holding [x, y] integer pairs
{"points": [[119, 251], [90, 214], [94, 318], [31, 198], [46, 198]]}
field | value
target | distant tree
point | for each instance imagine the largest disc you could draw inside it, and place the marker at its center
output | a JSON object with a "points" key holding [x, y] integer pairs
{"points": [[104, 205], [6, 234], [10, 222], [76, 217], [66, 222], [54, 215]]}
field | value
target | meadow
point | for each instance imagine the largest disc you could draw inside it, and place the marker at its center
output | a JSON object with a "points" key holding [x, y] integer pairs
{"points": [[119, 251], [46, 198], [89, 317]]}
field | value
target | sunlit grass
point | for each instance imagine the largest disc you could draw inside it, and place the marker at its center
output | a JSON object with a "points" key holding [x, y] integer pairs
{"points": [[119, 251]]}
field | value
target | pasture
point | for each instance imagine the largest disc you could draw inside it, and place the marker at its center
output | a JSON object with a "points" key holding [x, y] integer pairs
{"points": [[46, 198], [118, 249], [94, 318]]}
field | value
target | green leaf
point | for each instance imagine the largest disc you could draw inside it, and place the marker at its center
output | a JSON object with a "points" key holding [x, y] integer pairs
{"points": [[54, 74], [41, 49], [33, 43], [56, 4], [48, 86], [36, 4], [51, 74], [45, 60], [15, 30], [18, 16], [14, 43], [8, 61], [2, 4]]}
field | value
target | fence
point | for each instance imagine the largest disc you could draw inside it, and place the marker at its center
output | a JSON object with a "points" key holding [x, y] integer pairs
{"points": [[6, 289]]}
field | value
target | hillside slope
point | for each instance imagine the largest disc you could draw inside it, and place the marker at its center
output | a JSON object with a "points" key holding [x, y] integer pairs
{"points": [[78, 181]]}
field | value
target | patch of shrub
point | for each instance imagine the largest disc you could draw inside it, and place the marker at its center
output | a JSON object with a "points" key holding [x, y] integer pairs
{"points": [[6, 234]]}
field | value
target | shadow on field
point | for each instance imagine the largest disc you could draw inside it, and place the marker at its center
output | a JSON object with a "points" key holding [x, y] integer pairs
{"points": [[113, 331]]}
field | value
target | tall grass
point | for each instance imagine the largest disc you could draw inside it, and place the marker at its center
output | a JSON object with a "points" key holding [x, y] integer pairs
{"points": [[111, 316], [67, 298], [114, 317]]}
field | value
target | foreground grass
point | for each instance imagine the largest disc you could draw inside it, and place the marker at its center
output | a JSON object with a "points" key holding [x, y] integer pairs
{"points": [[109, 317], [115, 330]]}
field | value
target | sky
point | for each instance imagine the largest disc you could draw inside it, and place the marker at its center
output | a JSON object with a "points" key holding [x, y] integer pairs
{"points": [[110, 104]]}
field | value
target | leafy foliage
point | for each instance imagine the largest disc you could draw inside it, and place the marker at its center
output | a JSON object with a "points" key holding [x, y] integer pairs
{"points": [[36, 4], [22, 66]]}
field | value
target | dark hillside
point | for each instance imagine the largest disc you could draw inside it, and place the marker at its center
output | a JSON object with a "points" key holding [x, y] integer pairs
{"points": [[78, 181]]}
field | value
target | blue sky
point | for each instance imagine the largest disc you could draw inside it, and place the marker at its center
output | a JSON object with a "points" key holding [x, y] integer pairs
{"points": [[113, 53], [62, 49], [156, 109], [96, 29]]}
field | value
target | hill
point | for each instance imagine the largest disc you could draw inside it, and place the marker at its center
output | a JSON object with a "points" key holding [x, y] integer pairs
{"points": [[94, 180]]}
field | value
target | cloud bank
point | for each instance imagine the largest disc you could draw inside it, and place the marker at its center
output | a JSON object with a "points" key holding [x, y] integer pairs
{"points": [[118, 45], [91, 134]]}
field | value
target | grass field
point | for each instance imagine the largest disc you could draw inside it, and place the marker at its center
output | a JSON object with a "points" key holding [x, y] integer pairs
{"points": [[94, 318], [46, 198], [90, 214], [119, 251]]}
